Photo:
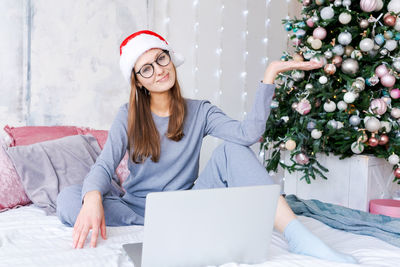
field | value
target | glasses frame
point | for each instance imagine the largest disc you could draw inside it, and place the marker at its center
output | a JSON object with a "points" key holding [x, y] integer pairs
{"points": [[152, 66]]}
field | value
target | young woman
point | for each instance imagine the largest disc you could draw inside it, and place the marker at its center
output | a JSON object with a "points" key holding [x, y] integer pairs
{"points": [[163, 133]]}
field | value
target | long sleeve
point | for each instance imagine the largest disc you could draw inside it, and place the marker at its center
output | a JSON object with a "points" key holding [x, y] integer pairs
{"points": [[101, 173], [246, 132]]}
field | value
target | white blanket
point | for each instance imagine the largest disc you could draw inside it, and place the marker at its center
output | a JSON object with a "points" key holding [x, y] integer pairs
{"points": [[30, 238]]}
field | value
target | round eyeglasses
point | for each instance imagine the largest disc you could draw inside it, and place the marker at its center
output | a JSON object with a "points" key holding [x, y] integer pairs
{"points": [[147, 70]]}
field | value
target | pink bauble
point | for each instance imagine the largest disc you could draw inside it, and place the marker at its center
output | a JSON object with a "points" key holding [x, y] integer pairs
{"points": [[319, 33], [395, 93], [388, 80], [302, 158], [381, 70], [296, 41], [310, 23], [378, 106], [303, 107], [397, 173], [373, 141], [306, 2], [383, 139], [368, 5]]}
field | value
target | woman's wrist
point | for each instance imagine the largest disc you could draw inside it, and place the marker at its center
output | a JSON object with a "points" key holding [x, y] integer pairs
{"points": [[95, 195]]}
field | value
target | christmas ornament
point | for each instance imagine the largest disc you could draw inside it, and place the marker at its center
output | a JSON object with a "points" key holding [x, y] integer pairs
{"points": [[372, 81], [333, 124], [311, 126], [337, 3], [344, 38], [290, 144], [315, 18], [384, 52], [389, 20], [379, 39], [327, 13], [316, 134], [288, 27], [306, 2], [302, 159], [294, 105], [319, 33], [300, 33], [338, 50], [394, 159], [379, 5], [297, 75], [357, 148], [388, 35], [383, 139], [397, 173], [378, 106], [329, 106], [303, 107], [395, 93], [341, 105], [344, 18], [354, 120], [372, 124], [349, 97], [346, 3], [310, 23], [348, 49], [366, 44], [339, 125], [363, 138], [381, 70], [396, 65], [368, 5], [274, 104], [328, 54], [319, 59], [358, 85], [298, 57], [373, 142], [296, 41], [364, 24], [350, 66], [394, 6], [330, 69], [387, 100], [316, 44], [317, 103], [388, 80], [385, 125], [323, 80], [282, 146], [395, 113], [319, 2], [309, 86], [391, 45], [337, 61]]}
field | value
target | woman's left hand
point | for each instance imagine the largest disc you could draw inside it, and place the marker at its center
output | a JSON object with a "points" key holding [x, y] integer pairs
{"points": [[278, 66]]}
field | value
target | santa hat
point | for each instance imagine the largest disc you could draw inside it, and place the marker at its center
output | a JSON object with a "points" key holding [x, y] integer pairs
{"points": [[138, 43]]}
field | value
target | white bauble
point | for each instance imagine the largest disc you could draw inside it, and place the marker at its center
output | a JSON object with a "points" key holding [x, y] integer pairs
{"points": [[337, 3], [349, 97], [316, 134], [394, 6], [394, 159], [344, 18], [346, 2], [316, 44], [290, 144], [339, 125], [397, 25], [341, 105], [354, 120], [338, 50], [391, 45], [373, 124], [328, 54], [298, 75], [310, 39], [327, 13], [395, 113], [396, 64], [386, 126], [344, 38], [366, 44], [323, 80], [357, 148], [379, 5], [329, 106], [333, 124]]}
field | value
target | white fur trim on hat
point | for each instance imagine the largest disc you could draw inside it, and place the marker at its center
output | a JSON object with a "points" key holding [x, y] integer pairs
{"points": [[138, 43]]}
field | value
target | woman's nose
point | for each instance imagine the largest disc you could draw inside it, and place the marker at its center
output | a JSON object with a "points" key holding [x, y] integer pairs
{"points": [[158, 69]]}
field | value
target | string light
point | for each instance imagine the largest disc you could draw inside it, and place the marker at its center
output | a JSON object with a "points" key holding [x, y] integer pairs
{"points": [[196, 47]]}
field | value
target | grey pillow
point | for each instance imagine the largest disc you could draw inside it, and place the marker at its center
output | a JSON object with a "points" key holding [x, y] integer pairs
{"points": [[46, 168]]}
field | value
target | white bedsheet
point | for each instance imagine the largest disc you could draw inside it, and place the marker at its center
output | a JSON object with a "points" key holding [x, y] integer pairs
{"points": [[30, 238]]}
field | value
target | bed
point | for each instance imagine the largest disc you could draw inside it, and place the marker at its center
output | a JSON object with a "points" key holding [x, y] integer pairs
{"points": [[30, 238]]}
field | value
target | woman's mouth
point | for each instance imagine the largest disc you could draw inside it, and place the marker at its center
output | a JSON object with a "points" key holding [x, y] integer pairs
{"points": [[165, 78]]}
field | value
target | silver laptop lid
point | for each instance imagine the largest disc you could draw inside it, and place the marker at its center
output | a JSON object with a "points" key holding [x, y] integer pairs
{"points": [[209, 227]]}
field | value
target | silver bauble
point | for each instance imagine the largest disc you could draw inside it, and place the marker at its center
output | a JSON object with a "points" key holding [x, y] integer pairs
{"points": [[323, 80], [328, 54], [357, 147], [344, 38], [346, 3], [341, 105], [396, 65], [366, 44], [350, 66], [394, 159], [337, 3], [384, 52], [311, 126], [391, 45], [354, 120], [327, 13], [386, 126], [372, 124], [316, 134], [309, 86], [338, 50], [364, 24], [298, 75], [333, 124]]}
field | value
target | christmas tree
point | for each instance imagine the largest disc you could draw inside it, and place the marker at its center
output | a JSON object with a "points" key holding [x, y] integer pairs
{"points": [[351, 105]]}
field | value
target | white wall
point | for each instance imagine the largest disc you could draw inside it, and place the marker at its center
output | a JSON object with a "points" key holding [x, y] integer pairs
{"points": [[59, 59]]}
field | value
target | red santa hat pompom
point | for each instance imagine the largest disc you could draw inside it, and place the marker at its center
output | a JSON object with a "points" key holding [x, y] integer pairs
{"points": [[138, 43]]}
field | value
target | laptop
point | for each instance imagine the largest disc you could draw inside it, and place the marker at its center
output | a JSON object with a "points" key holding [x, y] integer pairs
{"points": [[205, 227]]}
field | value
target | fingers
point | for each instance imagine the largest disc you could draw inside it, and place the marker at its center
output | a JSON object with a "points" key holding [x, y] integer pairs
{"points": [[95, 234], [103, 228], [82, 237]]}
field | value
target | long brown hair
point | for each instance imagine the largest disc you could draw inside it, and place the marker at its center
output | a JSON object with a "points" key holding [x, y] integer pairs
{"points": [[143, 136]]}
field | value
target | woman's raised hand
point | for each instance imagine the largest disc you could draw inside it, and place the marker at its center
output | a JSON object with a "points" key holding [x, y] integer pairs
{"points": [[276, 67], [91, 217]]}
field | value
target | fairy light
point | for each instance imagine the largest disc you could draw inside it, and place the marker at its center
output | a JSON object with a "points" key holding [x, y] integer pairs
{"points": [[243, 74], [196, 47], [167, 19], [218, 52]]}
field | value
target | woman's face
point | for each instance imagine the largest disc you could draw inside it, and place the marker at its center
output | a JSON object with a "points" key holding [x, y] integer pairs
{"points": [[163, 77]]}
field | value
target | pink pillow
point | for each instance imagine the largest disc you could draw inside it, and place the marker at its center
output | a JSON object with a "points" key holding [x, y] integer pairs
{"points": [[122, 170], [12, 193], [28, 135]]}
